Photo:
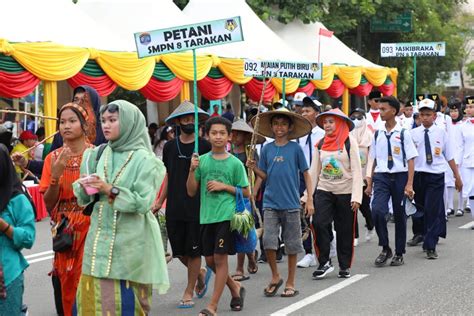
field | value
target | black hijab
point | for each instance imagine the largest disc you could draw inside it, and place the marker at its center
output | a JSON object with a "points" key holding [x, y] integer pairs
{"points": [[95, 102], [456, 104], [10, 185]]}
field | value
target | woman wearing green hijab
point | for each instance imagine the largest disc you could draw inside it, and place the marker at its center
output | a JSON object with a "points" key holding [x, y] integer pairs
{"points": [[123, 256]]}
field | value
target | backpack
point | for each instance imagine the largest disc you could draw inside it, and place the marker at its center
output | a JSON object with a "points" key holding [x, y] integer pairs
{"points": [[347, 144], [402, 139]]}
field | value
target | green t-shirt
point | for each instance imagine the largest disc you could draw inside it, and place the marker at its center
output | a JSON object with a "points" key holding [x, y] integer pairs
{"points": [[218, 207]]}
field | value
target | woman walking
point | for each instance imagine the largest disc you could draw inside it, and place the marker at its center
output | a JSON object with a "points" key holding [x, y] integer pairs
{"points": [[17, 231], [60, 170], [123, 257]]}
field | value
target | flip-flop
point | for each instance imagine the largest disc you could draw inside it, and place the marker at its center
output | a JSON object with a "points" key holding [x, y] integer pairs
{"points": [[185, 304], [275, 287], [206, 282], [292, 291], [239, 277], [237, 303], [206, 312]]}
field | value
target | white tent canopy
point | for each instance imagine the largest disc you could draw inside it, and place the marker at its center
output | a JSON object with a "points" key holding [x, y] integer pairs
{"points": [[259, 40], [53, 21], [127, 17], [305, 38]]}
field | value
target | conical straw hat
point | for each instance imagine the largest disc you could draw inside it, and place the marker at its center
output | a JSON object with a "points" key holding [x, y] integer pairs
{"points": [[186, 108]]}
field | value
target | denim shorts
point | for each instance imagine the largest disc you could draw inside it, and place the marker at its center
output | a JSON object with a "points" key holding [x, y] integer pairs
{"points": [[290, 223]]}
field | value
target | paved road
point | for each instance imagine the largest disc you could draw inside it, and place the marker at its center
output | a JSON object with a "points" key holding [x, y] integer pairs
{"points": [[442, 287]]}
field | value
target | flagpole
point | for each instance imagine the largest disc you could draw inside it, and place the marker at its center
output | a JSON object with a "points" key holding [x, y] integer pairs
{"points": [[196, 116]]}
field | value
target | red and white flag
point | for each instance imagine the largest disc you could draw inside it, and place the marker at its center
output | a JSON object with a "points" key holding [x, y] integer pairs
{"points": [[324, 32]]}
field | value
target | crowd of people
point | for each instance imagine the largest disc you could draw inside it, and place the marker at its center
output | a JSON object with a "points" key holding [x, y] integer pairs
{"points": [[118, 192]]}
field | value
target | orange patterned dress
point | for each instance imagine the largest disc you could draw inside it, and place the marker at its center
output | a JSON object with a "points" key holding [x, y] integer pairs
{"points": [[67, 266]]}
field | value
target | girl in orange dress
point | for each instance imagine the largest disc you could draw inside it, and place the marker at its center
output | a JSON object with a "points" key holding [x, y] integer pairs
{"points": [[61, 169]]}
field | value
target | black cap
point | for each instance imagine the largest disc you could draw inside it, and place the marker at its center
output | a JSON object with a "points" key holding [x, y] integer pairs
{"points": [[454, 103], [409, 103], [420, 97], [392, 101], [309, 102], [358, 110], [375, 95], [433, 96], [470, 99]]}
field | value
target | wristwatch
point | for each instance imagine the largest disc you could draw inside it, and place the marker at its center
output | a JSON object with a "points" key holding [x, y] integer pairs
{"points": [[114, 191]]}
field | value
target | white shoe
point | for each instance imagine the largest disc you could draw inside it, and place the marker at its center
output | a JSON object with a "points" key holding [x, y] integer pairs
{"points": [[369, 234], [356, 242], [449, 212], [459, 212], [307, 261]]}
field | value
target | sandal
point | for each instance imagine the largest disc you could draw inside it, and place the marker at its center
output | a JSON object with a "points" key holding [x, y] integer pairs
{"points": [[184, 304], [268, 290], [254, 269], [206, 312], [289, 292], [200, 293], [237, 303], [239, 277]]}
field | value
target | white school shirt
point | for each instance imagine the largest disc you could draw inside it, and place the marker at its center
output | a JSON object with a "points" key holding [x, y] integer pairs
{"points": [[467, 137], [374, 125], [456, 139], [316, 134], [441, 149], [379, 150], [444, 121]]}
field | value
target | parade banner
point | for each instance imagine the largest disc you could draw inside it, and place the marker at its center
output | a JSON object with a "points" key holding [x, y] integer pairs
{"points": [[283, 69], [188, 37], [428, 49]]}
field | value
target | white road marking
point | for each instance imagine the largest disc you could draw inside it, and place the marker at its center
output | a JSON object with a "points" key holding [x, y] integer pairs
{"points": [[468, 225], [39, 254], [40, 259], [318, 296]]}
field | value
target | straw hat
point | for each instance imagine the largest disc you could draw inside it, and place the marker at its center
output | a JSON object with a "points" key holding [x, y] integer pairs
{"points": [[241, 126], [301, 126], [335, 112], [186, 108]]}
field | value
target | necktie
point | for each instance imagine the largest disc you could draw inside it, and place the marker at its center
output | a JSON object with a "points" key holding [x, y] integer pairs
{"points": [[309, 143], [389, 156], [429, 156]]}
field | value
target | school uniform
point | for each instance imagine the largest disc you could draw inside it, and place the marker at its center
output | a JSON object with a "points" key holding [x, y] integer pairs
{"points": [[391, 156], [434, 150], [467, 164], [374, 120], [455, 139]]}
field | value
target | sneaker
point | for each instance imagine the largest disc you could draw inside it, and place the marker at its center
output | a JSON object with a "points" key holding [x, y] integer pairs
{"points": [[262, 258], [467, 209], [459, 213], [397, 260], [323, 270], [369, 234], [431, 254], [415, 241], [308, 261], [344, 274], [356, 242], [450, 212]]}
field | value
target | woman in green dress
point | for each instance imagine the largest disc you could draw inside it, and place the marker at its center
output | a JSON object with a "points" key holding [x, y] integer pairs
{"points": [[123, 256]]}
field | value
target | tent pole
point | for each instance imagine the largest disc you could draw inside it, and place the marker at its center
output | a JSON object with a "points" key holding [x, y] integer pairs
{"points": [[36, 107], [196, 117], [283, 94]]}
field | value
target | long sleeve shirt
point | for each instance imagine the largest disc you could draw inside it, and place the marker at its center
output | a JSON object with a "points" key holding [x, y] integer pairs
{"points": [[19, 214]]}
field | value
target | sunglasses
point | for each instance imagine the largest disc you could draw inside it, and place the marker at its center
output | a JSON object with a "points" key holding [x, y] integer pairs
{"points": [[357, 117], [112, 108]]}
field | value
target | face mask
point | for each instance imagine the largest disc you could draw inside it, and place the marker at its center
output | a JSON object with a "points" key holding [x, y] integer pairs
{"points": [[187, 128], [358, 123]]}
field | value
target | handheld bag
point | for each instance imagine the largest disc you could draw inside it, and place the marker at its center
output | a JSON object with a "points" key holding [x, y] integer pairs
{"points": [[243, 225], [63, 236]]}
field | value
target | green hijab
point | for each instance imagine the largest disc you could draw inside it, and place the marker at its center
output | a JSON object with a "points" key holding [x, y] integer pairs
{"points": [[133, 131]]}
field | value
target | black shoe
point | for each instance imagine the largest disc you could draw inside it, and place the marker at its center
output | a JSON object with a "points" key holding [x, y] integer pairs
{"points": [[415, 241], [397, 260], [383, 257], [323, 270], [262, 258], [344, 274], [431, 254], [467, 209]]}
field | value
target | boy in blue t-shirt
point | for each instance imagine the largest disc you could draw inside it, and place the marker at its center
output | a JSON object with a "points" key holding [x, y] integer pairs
{"points": [[280, 165], [217, 174]]}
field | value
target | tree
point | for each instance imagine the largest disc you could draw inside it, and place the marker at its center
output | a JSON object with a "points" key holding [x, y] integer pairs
{"points": [[432, 21]]}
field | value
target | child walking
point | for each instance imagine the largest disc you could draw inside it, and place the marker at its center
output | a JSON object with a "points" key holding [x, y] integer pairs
{"points": [[217, 174]]}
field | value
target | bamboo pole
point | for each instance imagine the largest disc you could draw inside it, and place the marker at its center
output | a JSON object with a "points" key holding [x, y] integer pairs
{"points": [[37, 144], [31, 114]]}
